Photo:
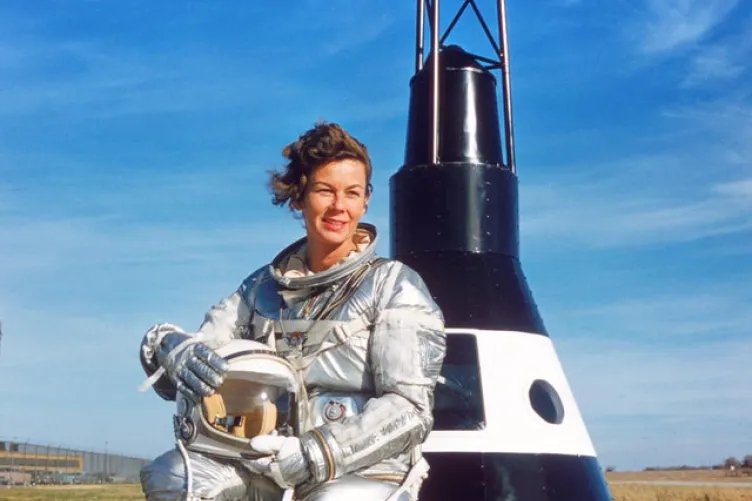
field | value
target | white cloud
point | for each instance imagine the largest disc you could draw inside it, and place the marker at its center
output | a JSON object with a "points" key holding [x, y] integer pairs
{"points": [[713, 58], [587, 216], [357, 30], [669, 25], [741, 189], [717, 133], [723, 63], [694, 183], [715, 63]]}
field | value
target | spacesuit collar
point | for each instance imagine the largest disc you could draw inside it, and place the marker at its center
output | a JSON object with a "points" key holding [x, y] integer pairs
{"points": [[340, 270]]}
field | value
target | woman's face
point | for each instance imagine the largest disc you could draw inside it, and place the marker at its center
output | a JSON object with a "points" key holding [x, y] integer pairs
{"points": [[334, 202]]}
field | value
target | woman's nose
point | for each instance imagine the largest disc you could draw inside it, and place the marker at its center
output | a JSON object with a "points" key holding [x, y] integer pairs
{"points": [[339, 201]]}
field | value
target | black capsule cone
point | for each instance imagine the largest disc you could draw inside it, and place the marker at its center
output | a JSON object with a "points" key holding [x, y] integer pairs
{"points": [[470, 130], [506, 425]]}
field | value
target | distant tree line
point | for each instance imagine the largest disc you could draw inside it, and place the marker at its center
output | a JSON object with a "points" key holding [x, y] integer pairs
{"points": [[733, 463], [743, 466]]}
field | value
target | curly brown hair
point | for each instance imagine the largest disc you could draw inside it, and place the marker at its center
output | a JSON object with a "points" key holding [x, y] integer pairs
{"points": [[316, 147]]}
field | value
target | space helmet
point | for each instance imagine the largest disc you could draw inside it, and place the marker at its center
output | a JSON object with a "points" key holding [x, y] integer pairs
{"points": [[258, 396]]}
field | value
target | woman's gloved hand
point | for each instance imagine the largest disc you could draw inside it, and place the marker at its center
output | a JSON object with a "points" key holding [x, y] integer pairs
{"points": [[286, 464], [195, 369]]}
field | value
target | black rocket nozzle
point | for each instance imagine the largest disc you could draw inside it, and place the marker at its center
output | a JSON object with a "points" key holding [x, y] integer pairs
{"points": [[456, 220], [469, 129]]}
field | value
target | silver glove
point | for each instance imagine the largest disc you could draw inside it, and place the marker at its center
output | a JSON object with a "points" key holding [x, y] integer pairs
{"points": [[195, 370], [286, 464]]}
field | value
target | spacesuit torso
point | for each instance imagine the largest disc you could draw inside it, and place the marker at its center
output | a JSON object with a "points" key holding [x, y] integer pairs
{"points": [[368, 343]]}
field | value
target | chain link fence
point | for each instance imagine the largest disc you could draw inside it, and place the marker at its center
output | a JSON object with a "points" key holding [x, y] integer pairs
{"points": [[30, 463]]}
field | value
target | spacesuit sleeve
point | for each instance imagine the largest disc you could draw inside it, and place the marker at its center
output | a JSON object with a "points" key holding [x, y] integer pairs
{"points": [[407, 351], [229, 319]]}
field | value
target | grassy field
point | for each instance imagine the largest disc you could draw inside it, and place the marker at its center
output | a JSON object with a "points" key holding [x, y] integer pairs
{"points": [[678, 475], [632, 492], [679, 493], [621, 492]]}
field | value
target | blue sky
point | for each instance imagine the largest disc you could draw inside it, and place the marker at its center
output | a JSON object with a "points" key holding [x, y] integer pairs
{"points": [[135, 137]]}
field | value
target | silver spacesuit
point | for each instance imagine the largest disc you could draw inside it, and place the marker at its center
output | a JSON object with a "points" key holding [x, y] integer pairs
{"points": [[368, 341]]}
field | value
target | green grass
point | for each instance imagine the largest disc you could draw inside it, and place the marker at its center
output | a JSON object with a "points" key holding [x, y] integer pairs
{"points": [[85, 492]]}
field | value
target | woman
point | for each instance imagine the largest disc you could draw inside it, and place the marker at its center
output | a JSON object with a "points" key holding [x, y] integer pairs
{"points": [[370, 392]]}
